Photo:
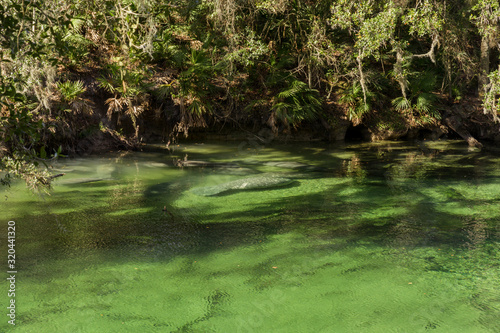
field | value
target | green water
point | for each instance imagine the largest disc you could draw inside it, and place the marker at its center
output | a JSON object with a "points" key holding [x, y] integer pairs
{"points": [[386, 237]]}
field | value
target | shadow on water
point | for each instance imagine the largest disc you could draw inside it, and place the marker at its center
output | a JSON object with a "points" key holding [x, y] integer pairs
{"points": [[288, 185], [152, 234], [323, 229]]}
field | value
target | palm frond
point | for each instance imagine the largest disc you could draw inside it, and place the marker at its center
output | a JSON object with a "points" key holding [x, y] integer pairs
{"points": [[71, 90], [163, 91], [424, 103], [177, 56], [197, 107], [425, 82], [358, 111], [401, 103], [115, 105], [255, 103], [106, 85]]}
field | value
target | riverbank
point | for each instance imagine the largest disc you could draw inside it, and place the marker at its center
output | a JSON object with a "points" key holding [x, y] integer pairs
{"points": [[465, 121]]}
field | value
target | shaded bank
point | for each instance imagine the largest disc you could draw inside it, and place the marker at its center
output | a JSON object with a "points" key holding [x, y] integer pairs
{"points": [[465, 120], [91, 77]]}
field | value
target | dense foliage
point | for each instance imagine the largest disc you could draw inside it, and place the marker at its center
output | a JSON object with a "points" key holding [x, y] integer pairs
{"points": [[72, 71]]}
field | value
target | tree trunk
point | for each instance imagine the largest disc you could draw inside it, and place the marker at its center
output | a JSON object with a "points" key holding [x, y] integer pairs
{"points": [[362, 80], [484, 64], [455, 123]]}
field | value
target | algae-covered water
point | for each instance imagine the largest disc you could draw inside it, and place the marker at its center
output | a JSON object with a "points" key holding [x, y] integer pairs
{"points": [[386, 237]]}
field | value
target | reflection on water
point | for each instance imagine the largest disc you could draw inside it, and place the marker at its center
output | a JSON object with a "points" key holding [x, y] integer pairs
{"points": [[385, 237]]}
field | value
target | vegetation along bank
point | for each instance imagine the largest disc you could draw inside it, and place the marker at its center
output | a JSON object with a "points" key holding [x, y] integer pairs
{"points": [[88, 76]]}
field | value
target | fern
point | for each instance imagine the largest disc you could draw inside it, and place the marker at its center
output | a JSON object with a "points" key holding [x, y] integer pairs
{"points": [[296, 103], [77, 23], [78, 41]]}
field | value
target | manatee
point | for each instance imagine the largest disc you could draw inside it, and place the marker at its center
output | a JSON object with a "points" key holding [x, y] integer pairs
{"points": [[225, 168], [250, 183], [234, 171], [201, 164], [62, 170], [287, 165], [155, 165], [81, 168], [82, 180]]}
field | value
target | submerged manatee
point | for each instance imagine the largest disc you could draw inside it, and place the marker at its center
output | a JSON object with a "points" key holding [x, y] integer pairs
{"points": [[287, 165], [249, 183], [202, 164], [82, 180], [222, 167]]}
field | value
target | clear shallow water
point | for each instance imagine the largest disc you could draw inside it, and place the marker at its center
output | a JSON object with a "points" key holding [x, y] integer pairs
{"points": [[386, 237]]}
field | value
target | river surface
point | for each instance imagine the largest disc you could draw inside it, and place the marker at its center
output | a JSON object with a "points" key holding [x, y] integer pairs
{"points": [[261, 237]]}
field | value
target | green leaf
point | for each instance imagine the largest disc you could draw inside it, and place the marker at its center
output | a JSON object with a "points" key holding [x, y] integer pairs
{"points": [[43, 154], [401, 103]]}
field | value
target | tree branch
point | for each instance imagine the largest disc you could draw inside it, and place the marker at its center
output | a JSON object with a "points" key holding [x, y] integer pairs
{"points": [[429, 54], [362, 80]]}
